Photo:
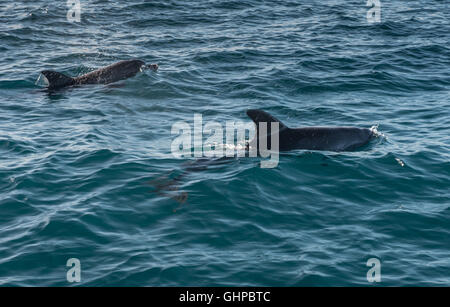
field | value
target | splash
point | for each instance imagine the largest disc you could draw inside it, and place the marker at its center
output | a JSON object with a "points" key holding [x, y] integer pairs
{"points": [[402, 164], [41, 81], [238, 149], [376, 133]]}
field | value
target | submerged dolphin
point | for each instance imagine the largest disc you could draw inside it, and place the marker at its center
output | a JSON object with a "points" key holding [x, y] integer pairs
{"points": [[311, 138], [112, 73], [308, 138]]}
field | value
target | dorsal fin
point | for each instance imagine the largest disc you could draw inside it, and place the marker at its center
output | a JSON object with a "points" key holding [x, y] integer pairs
{"points": [[56, 79], [259, 116]]}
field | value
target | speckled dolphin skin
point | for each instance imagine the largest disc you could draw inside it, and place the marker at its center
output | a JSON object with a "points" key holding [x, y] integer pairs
{"points": [[112, 73]]}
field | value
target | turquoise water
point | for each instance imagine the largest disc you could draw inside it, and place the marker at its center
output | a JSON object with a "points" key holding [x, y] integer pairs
{"points": [[88, 172]]}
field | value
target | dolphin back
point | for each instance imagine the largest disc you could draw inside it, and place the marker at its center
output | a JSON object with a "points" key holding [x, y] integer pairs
{"points": [[310, 138], [56, 79]]}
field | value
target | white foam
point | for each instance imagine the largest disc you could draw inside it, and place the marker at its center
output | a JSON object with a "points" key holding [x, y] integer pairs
{"points": [[375, 131], [42, 81]]}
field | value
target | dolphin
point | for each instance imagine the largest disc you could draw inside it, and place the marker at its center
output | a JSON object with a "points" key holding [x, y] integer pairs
{"points": [[112, 73], [307, 138], [310, 138]]}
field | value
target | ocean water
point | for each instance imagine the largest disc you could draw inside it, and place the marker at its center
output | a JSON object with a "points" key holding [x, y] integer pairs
{"points": [[88, 172]]}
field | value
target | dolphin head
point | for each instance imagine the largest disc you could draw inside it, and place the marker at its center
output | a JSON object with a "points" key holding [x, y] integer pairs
{"points": [[137, 62], [136, 65], [128, 66], [153, 67]]}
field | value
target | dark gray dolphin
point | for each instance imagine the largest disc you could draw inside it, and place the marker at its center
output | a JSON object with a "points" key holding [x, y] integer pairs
{"points": [[112, 73], [311, 138]]}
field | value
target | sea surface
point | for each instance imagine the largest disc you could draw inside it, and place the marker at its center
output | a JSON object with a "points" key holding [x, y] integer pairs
{"points": [[88, 172]]}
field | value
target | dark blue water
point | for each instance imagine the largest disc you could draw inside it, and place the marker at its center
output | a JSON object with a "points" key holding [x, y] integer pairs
{"points": [[88, 172]]}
